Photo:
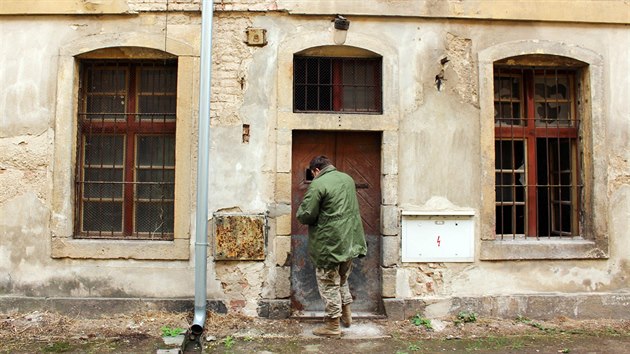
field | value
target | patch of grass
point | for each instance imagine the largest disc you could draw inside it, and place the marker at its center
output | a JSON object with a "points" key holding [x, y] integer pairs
{"points": [[421, 321], [495, 343], [534, 324], [466, 317], [564, 350], [228, 342], [612, 332], [521, 319], [171, 332], [517, 344], [413, 347], [57, 347]]}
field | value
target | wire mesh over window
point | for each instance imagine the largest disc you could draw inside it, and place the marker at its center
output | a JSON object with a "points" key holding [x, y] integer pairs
{"points": [[126, 150], [537, 170], [324, 84]]}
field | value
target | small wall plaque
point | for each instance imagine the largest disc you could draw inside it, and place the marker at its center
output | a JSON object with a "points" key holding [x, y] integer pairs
{"points": [[256, 36]]}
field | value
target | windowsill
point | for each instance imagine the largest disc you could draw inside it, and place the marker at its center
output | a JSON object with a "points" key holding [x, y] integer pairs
{"points": [[65, 247], [541, 249]]}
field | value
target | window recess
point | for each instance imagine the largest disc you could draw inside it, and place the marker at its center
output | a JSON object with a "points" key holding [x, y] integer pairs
{"points": [[329, 84], [538, 184], [126, 150]]}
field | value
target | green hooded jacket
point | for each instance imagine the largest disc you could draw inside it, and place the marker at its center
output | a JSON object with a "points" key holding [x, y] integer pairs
{"points": [[331, 211]]}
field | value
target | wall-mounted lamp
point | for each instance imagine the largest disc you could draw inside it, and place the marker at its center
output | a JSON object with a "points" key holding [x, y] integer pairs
{"points": [[341, 29]]}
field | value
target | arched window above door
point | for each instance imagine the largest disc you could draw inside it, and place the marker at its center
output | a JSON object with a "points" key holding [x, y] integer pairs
{"points": [[337, 79]]}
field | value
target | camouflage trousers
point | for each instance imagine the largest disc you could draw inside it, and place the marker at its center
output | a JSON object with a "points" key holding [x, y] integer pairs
{"points": [[333, 287]]}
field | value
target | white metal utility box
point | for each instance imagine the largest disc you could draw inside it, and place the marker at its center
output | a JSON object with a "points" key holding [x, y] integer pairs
{"points": [[438, 236]]}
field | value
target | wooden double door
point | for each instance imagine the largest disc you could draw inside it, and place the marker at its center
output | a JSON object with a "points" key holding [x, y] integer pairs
{"points": [[359, 155]]}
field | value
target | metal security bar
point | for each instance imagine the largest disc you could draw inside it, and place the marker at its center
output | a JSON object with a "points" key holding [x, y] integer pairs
{"points": [[325, 84], [537, 170], [126, 150]]}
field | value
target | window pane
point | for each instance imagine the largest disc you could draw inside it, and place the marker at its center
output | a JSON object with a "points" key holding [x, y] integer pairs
{"points": [[106, 80], [104, 150], [337, 84], [158, 107], [105, 104], [106, 92], [507, 113], [507, 100], [158, 80], [553, 113], [299, 71], [553, 98], [552, 88], [558, 193], [325, 97], [510, 187], [155, 184], [102, 189], [156, 151], [154, 217], [102, 216], [350, 75], [313, 70], [509, 154], [157, 92], [507, 88], [510, 220]]}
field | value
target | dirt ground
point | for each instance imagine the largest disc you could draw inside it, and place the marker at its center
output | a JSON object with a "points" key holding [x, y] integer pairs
{"points": [[44, 332]]}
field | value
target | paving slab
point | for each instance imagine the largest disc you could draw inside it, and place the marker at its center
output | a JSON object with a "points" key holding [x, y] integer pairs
{"points": [[356, 331]]}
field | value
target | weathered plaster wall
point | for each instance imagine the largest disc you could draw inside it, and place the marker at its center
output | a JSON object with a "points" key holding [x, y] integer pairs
{"points": [[444, 129], [434, 159], [31, 74], [240, 177]]}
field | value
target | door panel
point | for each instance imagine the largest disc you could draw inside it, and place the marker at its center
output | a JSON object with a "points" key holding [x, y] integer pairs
{"points": [[357, 154]]}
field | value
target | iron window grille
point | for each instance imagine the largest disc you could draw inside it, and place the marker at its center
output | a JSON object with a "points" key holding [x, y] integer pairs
{"points": [[125, 172], [328, 84], [537, 167]]}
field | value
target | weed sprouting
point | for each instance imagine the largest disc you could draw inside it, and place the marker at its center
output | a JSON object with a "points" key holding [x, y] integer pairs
{"points": [[171, 332], [57, 347], [413, 347], [228, 342], [534, 324], [467, 317], [421, 321]]}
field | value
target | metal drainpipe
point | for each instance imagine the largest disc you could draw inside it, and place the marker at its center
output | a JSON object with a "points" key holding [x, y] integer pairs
{"points": [[201, 240]]}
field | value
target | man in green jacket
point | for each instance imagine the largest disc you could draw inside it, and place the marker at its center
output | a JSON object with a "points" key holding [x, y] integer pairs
{"points": [[335, 237]]}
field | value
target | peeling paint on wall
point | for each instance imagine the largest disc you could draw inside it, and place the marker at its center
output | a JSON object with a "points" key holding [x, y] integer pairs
{"points": [[459, 53]]}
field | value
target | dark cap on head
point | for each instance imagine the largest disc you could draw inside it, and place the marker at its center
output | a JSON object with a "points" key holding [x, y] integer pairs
{"points": [[319, 162]]}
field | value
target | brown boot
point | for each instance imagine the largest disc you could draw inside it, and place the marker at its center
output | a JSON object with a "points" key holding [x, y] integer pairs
{"points": [[346, 315], [329, 329]]}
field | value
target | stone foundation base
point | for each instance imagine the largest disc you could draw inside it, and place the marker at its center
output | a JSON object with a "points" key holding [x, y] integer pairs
{"points": [[547, 306], [97, 307]]}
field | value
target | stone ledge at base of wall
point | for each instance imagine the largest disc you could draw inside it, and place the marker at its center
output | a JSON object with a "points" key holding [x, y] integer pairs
{"points": [[274, 309], [536, 306], [96, 307]]}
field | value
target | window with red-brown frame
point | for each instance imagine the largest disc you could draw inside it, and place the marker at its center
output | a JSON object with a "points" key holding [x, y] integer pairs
{"points": [[537, 152], [332, 84], [125, 172]]}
